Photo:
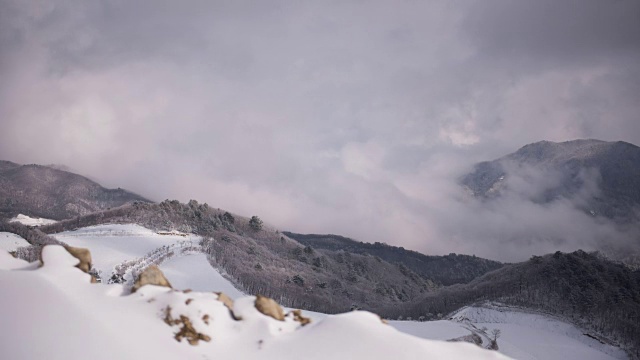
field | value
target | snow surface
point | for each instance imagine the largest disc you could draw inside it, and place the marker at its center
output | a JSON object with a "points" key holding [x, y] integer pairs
{"points": [[194, 272], [10, 242], [115, 244], [54, 312], [524, 335], [522, 332], [29, 221]]}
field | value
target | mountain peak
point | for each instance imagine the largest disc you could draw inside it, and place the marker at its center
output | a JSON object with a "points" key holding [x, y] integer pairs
{"points": [[54, 194], [615, 167]]}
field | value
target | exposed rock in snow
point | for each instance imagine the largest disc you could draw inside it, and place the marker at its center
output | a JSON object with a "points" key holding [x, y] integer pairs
{"points": [[83, 255], [152, 275], [297, 316], [225, 300], [269, 307]]}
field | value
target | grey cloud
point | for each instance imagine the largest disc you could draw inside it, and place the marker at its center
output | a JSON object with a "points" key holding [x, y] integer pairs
{"points": [[346, 117], [556, 33]]}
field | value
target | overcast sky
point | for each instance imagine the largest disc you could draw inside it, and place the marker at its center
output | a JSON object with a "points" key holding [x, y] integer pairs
{"points": [[348, 117]]}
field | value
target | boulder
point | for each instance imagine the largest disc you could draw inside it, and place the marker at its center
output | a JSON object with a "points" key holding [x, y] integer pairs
{"points": [[82, 254], [151, 276], [269, 307]]}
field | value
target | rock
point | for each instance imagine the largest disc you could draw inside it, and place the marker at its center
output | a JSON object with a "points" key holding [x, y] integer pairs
{"points": [[187, 331], [297, 316], [227, 301], [151, 276], [269, 307], [82, 254]]}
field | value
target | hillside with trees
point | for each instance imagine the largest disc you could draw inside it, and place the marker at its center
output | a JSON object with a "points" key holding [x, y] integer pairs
{"points": [[42, 191], [260, 259], [444, 270], [586, 289]]}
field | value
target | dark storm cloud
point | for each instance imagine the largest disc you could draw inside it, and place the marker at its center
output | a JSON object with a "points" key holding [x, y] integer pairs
{"points": [[345, 117]]}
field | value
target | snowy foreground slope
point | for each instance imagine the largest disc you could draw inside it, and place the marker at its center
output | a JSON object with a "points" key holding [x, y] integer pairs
{"points": [[524, 335], [54, 312]]}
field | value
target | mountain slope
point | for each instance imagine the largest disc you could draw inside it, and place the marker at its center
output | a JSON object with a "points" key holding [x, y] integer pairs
{"points": [[604, 177], [41, 191], [522, 332], [98, 322], [446, 270], [585, 289], [267, 262]]}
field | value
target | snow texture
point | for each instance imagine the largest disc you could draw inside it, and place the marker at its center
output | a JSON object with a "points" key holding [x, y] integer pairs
{"points": [[194, 272], [10, 242]]}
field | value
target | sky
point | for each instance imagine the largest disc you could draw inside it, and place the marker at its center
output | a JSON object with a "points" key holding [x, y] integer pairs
{"points": [[347, 117]]}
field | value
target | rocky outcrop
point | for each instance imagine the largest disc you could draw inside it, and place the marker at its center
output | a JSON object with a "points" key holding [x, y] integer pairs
{"points": [[151, 276], [269, 307], [82, 254]]}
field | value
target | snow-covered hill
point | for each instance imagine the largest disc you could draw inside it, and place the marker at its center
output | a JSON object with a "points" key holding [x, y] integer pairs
{"points": [[54, 312], [522, 333]]}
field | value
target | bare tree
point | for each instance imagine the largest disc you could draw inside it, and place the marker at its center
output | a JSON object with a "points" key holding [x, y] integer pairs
{"points": [[496, 334]]}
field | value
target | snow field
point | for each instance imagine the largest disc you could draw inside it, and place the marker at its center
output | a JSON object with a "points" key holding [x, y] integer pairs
{"points": [[94, 321], [194, 272], [111, 245]]}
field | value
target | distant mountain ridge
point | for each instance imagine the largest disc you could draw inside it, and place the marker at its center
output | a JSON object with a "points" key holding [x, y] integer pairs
{"points": [[445, 270], [43, 191], [614, 166], [330, 273]]}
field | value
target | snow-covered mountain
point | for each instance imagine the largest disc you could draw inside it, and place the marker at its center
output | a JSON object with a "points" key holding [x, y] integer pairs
{"points": [[54, 312], [129, 326], [604, 176], [42, 191]]}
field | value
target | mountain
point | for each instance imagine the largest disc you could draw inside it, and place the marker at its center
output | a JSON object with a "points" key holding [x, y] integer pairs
{"points": [[445, 270], [601, 178], [333, 274], [112, 323], [263, 260], [42, 191], [179, 258], [600, 296]]}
